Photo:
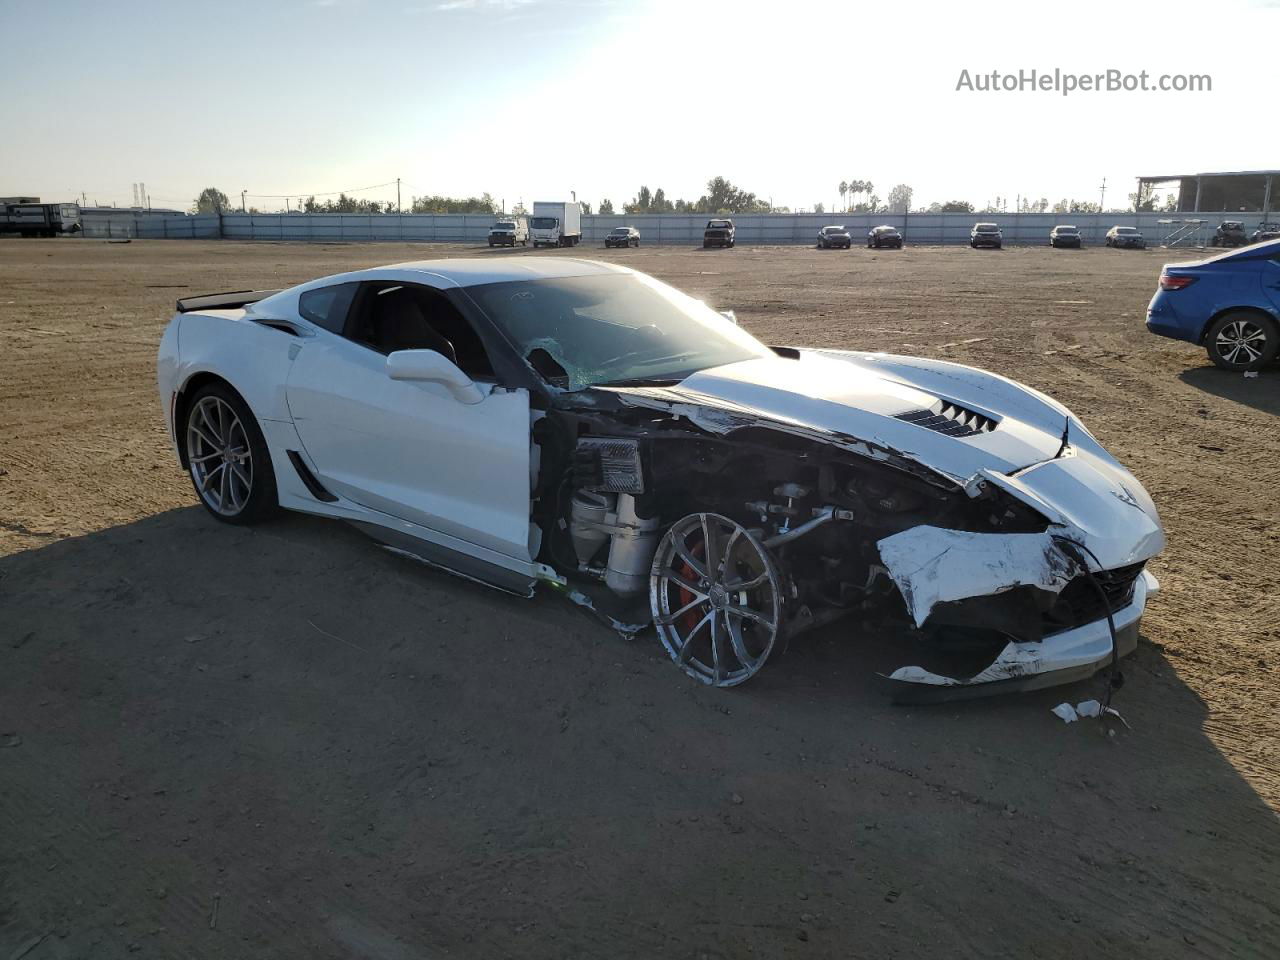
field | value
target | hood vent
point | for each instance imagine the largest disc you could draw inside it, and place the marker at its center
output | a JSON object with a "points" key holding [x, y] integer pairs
{"points": [[951, 419]]}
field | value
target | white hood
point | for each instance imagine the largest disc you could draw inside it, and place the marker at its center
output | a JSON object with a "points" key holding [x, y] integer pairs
{"points": [[842, 396], [850, 397]]}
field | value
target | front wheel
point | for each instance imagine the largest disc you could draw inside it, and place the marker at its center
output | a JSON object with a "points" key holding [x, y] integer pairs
{"points": [[227, 457], [716, 598], [1242, 341]]}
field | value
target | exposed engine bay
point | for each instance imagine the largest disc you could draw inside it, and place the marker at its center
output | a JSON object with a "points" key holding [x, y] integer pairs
{"points": [[731, 543]]}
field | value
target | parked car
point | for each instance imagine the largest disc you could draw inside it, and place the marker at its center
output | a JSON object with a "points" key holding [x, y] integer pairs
{"points": [[1229, 304], [884, 236], [679, 471], [719, 233], [1230, 233], [1265, 231], [986, 235], [622, 237], [1125, 237], [507, 233], [831, 238], [1065, 235]]}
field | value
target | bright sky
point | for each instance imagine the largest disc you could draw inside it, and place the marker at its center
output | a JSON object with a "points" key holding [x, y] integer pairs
{"points": [[532, 99]]}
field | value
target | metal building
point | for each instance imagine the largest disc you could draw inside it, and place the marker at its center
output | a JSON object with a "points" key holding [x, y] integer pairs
{"points": [[1249, 191]]}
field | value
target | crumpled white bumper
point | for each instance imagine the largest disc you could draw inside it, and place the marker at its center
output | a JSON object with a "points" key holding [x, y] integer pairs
{"points": [[1074, 653]]}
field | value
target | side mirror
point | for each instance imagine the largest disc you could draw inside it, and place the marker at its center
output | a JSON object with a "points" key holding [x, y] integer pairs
{"points": [[428, 366]]}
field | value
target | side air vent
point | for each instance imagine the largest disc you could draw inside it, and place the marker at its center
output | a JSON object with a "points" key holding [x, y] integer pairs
{"points": [[951, 419], [309, 479]]}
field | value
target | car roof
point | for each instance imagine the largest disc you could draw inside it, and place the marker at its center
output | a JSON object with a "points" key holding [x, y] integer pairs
{"points": [[1264, 250]]}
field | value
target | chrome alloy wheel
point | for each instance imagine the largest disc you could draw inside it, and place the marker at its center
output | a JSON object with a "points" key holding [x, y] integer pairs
{"points": [[1241, 342], [219, 456], [716, 599]]}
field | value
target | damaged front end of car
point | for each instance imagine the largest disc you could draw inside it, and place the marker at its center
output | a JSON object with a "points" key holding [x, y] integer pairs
{"points": [[732, 531]]}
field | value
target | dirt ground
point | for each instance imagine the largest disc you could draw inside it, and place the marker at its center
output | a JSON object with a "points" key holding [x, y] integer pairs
{"points": [[285, 742]]}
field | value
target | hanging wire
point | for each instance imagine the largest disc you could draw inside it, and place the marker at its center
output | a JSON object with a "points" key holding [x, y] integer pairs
{"points": [[308, 193]]}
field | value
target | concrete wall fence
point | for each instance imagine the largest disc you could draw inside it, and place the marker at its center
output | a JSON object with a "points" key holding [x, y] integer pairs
{"points": [[676, 229]]}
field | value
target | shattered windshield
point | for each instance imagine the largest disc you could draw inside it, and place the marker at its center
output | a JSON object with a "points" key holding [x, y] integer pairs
{"points": [[617, 329]]}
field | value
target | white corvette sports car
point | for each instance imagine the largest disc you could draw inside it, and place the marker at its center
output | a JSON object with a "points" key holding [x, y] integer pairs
{"points": [[582, 424]]}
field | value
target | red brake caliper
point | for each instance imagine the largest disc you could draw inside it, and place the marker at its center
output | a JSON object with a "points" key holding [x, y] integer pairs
{"points": [[689, 620]]}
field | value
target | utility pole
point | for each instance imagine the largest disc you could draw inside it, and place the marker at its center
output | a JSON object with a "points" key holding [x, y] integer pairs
{"points": [[1103, 195], [242, 193], [398, 195], [286, 205]]}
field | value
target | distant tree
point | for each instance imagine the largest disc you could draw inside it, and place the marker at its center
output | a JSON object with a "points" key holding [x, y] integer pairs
{"points": [[1144, 200], [844, 189], [956, 206], [723, 197], [606, 207], [436, 204], [586, 207], [900, 199], [1171, 203], [819, 208], [660, 203], [1076, 206], [640, 202], [212, 200]]}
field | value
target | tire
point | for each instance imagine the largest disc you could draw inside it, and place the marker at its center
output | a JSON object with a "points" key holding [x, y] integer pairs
{"points": [[217, 420], [1241, 340]]}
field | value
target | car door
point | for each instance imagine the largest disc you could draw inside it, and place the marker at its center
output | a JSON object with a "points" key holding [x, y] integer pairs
{"points": [[412, 450], [1271, 279]]}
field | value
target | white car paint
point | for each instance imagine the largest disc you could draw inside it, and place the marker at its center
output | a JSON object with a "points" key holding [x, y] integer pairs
{"points": [[1081, 647], [412, 450], [410, 459]]}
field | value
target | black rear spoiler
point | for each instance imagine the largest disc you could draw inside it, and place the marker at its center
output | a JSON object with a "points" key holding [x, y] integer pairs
{"points": [[224, 301]]}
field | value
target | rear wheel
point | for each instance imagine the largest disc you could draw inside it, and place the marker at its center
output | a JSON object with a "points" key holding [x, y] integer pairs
{"points": [[1242, 341], [227, 457]]}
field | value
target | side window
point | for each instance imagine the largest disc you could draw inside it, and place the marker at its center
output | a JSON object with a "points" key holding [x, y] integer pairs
{"points": [[327, 306], [392, 316]]}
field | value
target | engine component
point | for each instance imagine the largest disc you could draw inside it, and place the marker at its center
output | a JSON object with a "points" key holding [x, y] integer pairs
{"points": [[608, 464], [820, 516], [589, 523], [595, 518], [631, 553]]}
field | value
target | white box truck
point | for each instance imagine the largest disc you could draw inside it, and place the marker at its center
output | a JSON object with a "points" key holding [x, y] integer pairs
{"points": [[555, 223]]}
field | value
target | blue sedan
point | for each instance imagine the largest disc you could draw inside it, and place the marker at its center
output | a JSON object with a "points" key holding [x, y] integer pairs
{"points": [[1230, 304]]}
